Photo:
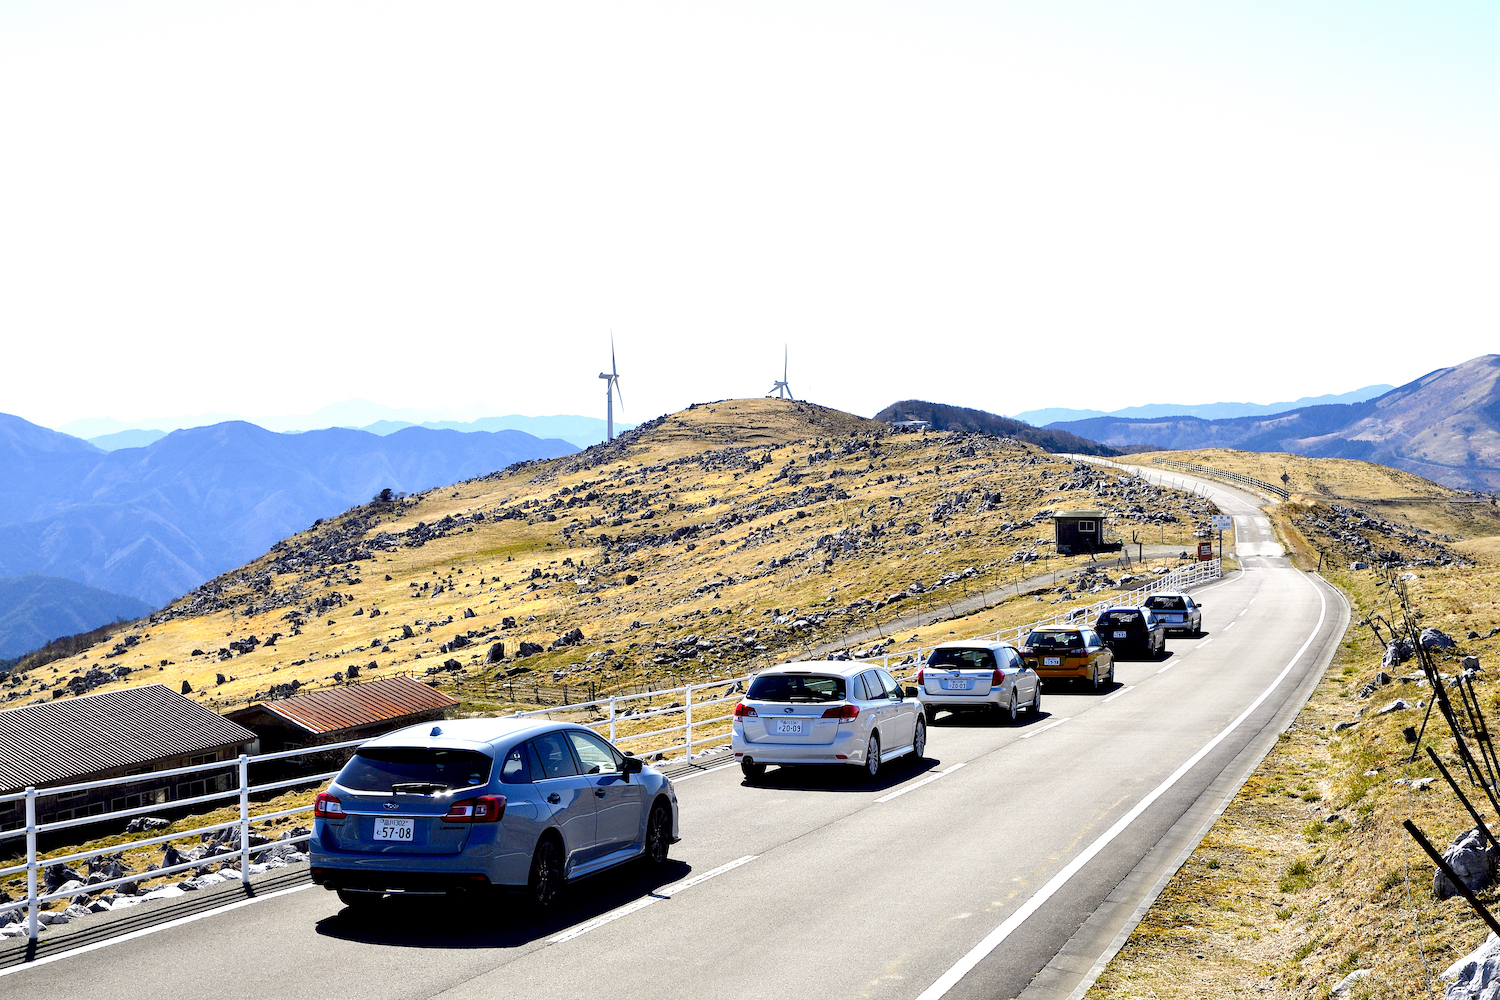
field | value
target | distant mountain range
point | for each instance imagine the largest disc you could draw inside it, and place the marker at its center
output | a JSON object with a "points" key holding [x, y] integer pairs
{"points": [[942, 417], [1208, 411], [111, 434], [36, 609], [1444, 426], [153, 522]]}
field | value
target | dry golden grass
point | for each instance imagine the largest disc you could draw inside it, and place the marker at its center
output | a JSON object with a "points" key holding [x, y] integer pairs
{"points": [[720, 470]]}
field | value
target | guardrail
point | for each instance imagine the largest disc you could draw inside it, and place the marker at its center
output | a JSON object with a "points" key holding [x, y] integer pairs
{"points": [[696, 732], [1222, 474]]}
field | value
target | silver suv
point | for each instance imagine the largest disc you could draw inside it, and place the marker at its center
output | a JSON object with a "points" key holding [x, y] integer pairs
{"points": [[826, 712], [985, 676]]}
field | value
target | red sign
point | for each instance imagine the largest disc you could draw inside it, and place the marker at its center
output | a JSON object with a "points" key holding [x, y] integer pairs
{"points": [[1205, 551]]}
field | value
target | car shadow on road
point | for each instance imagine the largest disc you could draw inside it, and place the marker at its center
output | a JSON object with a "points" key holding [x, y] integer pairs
{"points": [[497, 919], [989, 720], [851, 778]]}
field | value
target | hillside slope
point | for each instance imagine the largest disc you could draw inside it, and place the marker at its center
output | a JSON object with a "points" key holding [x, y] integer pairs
{"points": [[154, 522], [961, 418], [697, 545], [36, 609], [1444, 426]]}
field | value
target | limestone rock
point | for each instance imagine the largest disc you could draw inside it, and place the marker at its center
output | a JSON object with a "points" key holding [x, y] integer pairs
{"points": [[1471, 859]]}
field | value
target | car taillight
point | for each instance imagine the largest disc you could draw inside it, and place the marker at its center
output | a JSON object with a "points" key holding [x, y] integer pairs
{"points": [[921, 677], [327, 807], [997, 678], [1077, 652], [742, 711], [843, 713], [485, 809]]}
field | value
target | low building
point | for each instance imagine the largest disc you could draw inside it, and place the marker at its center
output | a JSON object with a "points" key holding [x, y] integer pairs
{"points": [[337, 715], [126, 734], [1082, 531]]}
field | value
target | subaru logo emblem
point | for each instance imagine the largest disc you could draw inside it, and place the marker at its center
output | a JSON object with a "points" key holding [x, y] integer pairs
{"points": [[788, 711], [392, 806]]}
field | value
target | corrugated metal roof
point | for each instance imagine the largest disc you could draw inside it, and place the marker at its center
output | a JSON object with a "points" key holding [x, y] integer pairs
{"points": [[73, 737], [358, 705]]}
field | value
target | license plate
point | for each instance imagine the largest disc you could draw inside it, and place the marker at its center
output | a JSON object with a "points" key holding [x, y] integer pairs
{"points": [[958, 685], [789, 725], [1052, 661], [395, 829], [1120, 635]]}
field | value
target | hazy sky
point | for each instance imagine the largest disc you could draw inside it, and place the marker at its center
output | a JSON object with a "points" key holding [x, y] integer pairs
{"points": [[266, 207]]}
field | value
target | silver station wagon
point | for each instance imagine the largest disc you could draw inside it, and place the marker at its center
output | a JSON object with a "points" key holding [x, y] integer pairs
{"points": [[473, 804], [984, 676], [826, 712]]}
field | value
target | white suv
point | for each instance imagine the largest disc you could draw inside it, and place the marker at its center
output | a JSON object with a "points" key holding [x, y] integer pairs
{"points": [[990, 676], [826, 712]]}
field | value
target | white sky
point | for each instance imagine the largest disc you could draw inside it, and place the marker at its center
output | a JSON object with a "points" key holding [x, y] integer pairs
{"points": [[267, 207]]}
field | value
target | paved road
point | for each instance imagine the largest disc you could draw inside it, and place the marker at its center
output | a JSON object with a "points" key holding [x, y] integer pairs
{"points": [[1008, 864]]}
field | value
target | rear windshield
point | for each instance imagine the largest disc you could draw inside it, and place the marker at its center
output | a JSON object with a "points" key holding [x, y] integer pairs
{"points": [[962, 659], [1118, 618], [795, 687], [382, 769], [1055, 640], [1165, 604]]}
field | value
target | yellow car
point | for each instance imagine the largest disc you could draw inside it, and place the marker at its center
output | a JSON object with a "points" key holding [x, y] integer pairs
{"points": [[1070, 654]]}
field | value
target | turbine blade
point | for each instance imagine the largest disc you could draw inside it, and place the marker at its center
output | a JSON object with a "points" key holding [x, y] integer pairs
{"points": [[614, 369], [616, 383]]}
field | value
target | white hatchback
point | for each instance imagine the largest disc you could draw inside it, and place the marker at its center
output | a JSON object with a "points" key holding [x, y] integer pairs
{"points": [[826, 712]]}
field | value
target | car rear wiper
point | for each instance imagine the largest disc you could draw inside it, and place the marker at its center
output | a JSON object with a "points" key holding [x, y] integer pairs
{"points": [[417, 787]]}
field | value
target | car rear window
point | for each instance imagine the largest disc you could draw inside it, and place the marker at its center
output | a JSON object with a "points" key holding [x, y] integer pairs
{"points": [[962, 659], [795, 687], [383, 768], [1055, 640], [1165, 604], [1119, 618]]}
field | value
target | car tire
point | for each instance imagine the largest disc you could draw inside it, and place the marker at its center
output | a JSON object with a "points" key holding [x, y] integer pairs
{"points": [[1013, 712], [1094, 680], [357, 900], [1111, 673], [752, 771], [919, 740], [929, 713], [658, 834], [872, 757], [546, 879], [1036, 701]]}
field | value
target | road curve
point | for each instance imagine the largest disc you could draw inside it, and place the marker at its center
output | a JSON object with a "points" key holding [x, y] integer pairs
{"points": [[1011, 863]]}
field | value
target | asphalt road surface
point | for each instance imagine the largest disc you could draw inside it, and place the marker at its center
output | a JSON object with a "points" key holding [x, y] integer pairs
{"points": [[1012, 862]]}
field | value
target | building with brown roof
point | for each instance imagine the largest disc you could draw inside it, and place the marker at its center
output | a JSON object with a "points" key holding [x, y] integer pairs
{"points": [[336, 715]]}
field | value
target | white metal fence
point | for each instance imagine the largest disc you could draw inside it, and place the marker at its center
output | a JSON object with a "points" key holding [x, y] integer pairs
{"points": [[613, 715]]}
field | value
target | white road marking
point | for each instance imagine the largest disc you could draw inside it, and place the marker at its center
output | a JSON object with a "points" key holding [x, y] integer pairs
{"points": [[1242, 613], [1117, 694], [1169, 666], [1229, 626], [698, 774], [640, 904], [133, 935], [996, 937], [918, 784], [1038, 732], [1205, 642]]}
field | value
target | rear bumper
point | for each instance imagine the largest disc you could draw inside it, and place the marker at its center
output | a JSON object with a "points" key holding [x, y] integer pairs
{"points": [[367, 880], [958, 702], [846, 748]]}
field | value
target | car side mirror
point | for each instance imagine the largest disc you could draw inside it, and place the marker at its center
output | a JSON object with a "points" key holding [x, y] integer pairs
{"points": [[911, 692], [631, 765]]}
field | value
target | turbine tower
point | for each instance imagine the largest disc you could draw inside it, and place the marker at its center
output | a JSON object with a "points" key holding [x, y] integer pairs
{"points": [[611, 390], [782, 389]]}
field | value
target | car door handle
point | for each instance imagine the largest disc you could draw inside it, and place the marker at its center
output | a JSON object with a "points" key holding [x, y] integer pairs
{"points": [[598, 793], [554, 798]]}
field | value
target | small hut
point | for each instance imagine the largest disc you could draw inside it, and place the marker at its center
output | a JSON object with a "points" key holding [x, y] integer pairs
{"points": [[1082, 531]]}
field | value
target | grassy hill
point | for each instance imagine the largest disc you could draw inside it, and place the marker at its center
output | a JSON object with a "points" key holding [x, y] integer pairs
{"points": [[943, 417], [698, 545]]}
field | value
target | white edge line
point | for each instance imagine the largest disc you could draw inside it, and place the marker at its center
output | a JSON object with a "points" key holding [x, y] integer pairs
{"points": [[994, 939], [1117, 694], [1038, 732], [918, 784], [169, 925], [640, 904]]}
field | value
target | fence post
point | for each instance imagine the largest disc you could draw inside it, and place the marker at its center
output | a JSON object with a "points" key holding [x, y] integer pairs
{"points": [[687, 704], [611, 718], [244, 820], [32, 906]]}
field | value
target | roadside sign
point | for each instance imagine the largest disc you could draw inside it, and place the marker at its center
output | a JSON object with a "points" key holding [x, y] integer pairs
{"points": [[1222, 522], [1205, 551]]}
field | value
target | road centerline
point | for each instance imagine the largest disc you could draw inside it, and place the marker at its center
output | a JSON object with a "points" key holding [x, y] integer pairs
{"points": [[918, 784], [667, 892], [1050, 725], [1117, 694]]}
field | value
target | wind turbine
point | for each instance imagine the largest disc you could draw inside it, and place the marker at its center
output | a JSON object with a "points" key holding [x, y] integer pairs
{"points": [[611, 390], [782, 389]]}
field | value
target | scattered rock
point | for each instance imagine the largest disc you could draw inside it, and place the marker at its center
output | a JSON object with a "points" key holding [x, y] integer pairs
{"points": [[468, 612], [187, 688], [1471, 859], [529, 649], [1399, 705], [496, 653], [1339, 727], [1431, 638], [1476, 976], [1347, 982], [142, 824]]}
